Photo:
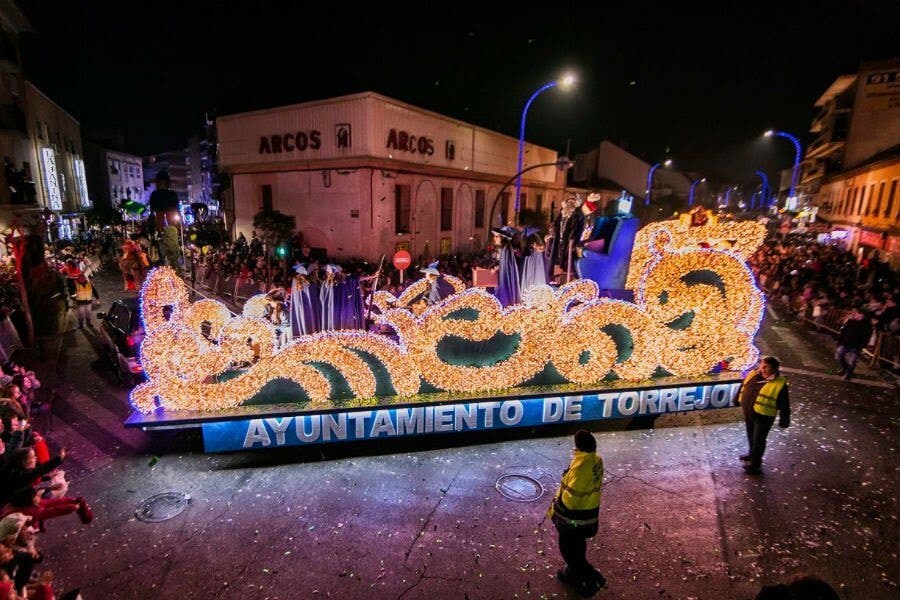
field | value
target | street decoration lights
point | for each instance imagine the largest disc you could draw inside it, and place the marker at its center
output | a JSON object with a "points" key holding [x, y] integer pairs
{"points": [[694, 184], [797, 152], [564, 83], [653, 167], [183, 365], [763, 192]]}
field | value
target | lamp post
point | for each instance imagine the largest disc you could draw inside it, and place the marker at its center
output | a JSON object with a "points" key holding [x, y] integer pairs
{"points": [[694, 184], [797, 152], [653, 167], [564, 83], [765, 188]]}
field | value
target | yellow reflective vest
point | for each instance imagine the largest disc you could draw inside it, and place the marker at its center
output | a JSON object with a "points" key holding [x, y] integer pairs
{"points": [[84, 293], [577, 503], [766, 402]]}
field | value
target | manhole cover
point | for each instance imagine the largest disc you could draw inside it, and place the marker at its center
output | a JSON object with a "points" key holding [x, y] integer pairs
{"points": [[162, 507], [521, 488]]}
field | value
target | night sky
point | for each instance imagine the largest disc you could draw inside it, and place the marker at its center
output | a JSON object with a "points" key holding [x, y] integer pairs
{"points": [[702, 82]]}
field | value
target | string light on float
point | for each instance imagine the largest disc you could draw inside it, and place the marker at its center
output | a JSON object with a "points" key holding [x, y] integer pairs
{"points": [[678, 322]]}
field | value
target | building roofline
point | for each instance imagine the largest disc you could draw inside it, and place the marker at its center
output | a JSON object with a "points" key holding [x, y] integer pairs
{"points": [[887, 63], [51, 101], [376, 96], [837, 87]]}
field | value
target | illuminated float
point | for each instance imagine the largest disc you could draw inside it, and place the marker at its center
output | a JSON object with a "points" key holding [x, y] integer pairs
{"points": [[465, 363]]}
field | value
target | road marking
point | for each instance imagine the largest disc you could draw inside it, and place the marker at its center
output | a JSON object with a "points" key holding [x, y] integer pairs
{"points": [[771, 312], [832, 377], [798, 344]]}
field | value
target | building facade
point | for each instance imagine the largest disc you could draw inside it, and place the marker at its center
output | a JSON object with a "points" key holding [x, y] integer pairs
{"points": [[114, 176], [851, 168], [204, 168], [177, 164], [366, 175], [864, 204]]}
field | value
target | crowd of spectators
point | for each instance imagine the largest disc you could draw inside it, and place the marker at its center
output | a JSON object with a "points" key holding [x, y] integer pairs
{"points": [[33, 490], [812, 279]]}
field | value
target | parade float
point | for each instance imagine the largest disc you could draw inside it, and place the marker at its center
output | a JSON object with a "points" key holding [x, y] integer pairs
{"points": [[563, 355]]}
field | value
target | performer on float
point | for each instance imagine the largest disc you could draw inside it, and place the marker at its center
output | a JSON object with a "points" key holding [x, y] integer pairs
{"points": [[534, 268], [349, 299], [275, 300], [507, 290], [329, 298], [304, 304], [568, 230]]}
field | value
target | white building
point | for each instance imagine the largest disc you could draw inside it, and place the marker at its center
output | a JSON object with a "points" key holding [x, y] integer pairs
{"points": [[125, 175], [366, 175]]}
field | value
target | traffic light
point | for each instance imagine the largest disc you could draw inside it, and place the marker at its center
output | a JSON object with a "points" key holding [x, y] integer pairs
{"points": [[281, 250]]}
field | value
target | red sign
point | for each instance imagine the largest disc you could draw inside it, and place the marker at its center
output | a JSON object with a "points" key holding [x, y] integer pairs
{"points": [[871, 238], [402, 260]]}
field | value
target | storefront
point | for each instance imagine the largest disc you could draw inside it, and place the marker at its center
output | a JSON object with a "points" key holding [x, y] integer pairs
{"points": [[365, 175]]}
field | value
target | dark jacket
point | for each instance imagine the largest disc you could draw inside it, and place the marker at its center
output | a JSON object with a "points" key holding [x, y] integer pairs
{"points": [[15, 478], [855, 334]]}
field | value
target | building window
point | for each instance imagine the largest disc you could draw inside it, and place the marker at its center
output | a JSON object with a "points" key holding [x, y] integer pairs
{"points": [[846, 202], [401, 208], [266, 198], [877, 208], [523, 200], [504, 208], [479, 209], [852, 209], [888, 210], [539, 203], [446, 209]]}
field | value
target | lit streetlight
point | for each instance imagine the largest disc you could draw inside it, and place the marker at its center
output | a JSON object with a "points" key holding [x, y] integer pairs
{"points": [[653, 167], [564, 83], [694, 184], [797, 152]]}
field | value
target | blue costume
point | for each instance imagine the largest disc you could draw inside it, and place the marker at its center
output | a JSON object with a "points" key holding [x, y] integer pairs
{"points": [[329, 299], [534, 268], [507, 291], [304, 305]]}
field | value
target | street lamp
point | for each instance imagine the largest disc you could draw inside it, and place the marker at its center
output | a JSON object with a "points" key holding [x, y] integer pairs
{"points": [[177, 220], [653, 167], [765, 188], [797, 151], [694, 184], [564, 83]]}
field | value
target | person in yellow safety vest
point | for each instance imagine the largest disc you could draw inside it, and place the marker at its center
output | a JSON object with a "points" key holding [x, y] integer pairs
{"points": [[85, 293], [764, 395], [575, 512]]}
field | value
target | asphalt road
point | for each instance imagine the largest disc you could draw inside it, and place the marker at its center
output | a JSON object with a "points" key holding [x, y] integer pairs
{"points": [[423, 519]]}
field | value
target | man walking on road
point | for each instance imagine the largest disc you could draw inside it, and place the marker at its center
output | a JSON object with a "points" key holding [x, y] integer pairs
{"points": [[763, 395], [575, 512], [854, 336]]}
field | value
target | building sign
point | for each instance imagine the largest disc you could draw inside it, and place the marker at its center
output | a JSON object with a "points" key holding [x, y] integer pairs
{"points": [[81, 184], [402, 140], [51, 180], [882, 90], [871, 238], [342, 134], [290, 142], [344, 426]]}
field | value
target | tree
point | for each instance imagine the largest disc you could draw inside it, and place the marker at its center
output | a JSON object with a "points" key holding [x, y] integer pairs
{"points": [[274, 227]]}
